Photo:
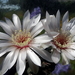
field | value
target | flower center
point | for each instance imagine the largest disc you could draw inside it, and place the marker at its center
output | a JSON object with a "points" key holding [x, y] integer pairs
{"points": [[21, 39], [61, 41]]}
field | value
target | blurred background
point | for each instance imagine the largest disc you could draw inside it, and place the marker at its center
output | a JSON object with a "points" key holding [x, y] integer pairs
{"points": [[20, 6], [9, 7]]}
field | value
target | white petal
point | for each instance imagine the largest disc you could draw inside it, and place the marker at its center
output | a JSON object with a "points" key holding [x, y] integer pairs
{"points": [[35, 59], [6, 28], [36, 28], [64, 58], [42, 39], [9, 22], [34, 68], [33, 22], [4, 36], [55, 56], [14, 58], [68, 55], [37, 32], [73, 30], [43, 53], [58, 19], [6, 63], [16, 22], [26, 19], [36, 19], [5, 50], [53, 24], [72, 20], [54, 34], [65, 17], [73, 39], [72, 46], [5, 44], [46, 27], [23, 54], [21, 63], [48, 18], [72, 52]]}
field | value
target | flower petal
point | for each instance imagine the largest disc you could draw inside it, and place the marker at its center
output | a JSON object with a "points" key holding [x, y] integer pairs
{"points": [[55, 56], [6, 28], [9, 22], [37, 32], [53, 24], [58, 19], [32, 66], [5, 50], [72, 46], [14, 58], [4, 36], [36, 19], [43, 53], [6, 63], [16, 22], [64, 58], [21, 65], [65, 17], [72, 52], [33, 22], [35, 59], [36, 28], [26, 19], [42, 39], [68, 55], [73, 30], [5, 44]]}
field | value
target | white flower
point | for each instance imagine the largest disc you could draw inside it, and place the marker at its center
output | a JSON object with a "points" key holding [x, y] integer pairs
{"points": [[62, 37], [21, 43]]}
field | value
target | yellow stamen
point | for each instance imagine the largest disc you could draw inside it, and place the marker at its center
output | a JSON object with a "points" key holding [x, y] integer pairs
{"points": [[21, 38]]}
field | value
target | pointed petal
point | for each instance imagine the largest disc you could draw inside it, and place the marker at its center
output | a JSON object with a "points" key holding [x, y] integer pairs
{"points": [[6, 28], [55, 56], [5, 66], [68, 55], [14, 58], [47, 18], [53, 24], [35, 59], [21, 63], [32, 66], [5, 50], [58, 19], [5, 44], [42, 39], [64, 58], [36, 19], [73, 30], [9, 22], [43, 53], [16, 22], [65, 17], [73, 39], [72, 46], [72, 52], [26, 19], [33, 22], [37, 32], [36, 28], [4, 36], [46, 27]]}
